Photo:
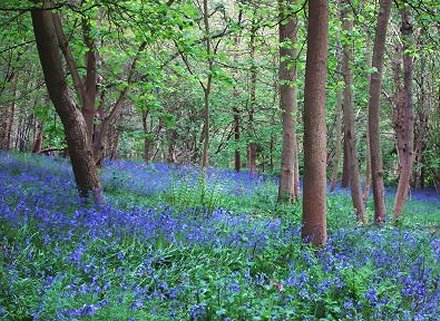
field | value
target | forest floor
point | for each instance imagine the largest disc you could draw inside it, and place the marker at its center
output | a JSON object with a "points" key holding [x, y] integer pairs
{"points": [[171, 246]]}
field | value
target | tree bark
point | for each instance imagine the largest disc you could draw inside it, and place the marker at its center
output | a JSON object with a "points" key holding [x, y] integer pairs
{"points": [[374, 111], [237, 156], [349, 120], [7, 118], [288, 101], [147, 139], [314, 228], [368, 153], [421, 128], [404, 121], [38, 141], [236, 109], [80, 151], [345, 181], [207, 87], [90, 81], [338, 130], [252, 147]]}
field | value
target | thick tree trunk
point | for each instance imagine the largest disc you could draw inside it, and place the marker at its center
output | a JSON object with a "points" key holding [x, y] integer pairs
{"points": [[404, 122], [288, 102], [374, 111], [349, 120], [80, 151], [90, 81], [314, 228]]}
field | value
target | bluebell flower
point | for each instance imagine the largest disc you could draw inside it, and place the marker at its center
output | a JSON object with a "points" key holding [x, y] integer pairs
{"points": [[136, 305], [371, 295]]}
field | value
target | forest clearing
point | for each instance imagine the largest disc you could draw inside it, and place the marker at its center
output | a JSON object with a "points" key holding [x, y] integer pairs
{"points": [[224, 160]]}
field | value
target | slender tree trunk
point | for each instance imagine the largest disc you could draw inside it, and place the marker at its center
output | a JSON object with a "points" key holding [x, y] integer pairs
{"points": [[147, 139], [405, 124], [5, 128], [237, 156], [345, 181], [252, 156], [206, 112], [421, 126], [368, 153], [288, 97], [7, 120], [81, 155], [374, 111], [236, 110], [114, 154], [367, 169], [338, 142], [207, 87], [271, 148], [252, 147], [99, 131], [349, 120], [314, 228], [38, 141], [338, 131]]}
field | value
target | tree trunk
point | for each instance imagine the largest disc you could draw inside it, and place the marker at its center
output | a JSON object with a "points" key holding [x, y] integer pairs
{"points": [[114, 144], [85, 88], [404, 122], [368, 153], [236, 110], [345, 181], [421, 123], [349, 120], [5, 128], [99, 131], [288, 100], [314, 228], [38, 141], [90, 81], [147, 138], [338, 131], [7, 120], [367, 169], [206, 112], [374, 111], [237, 156], [252, 147], [207, 87], [75, 130]]}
